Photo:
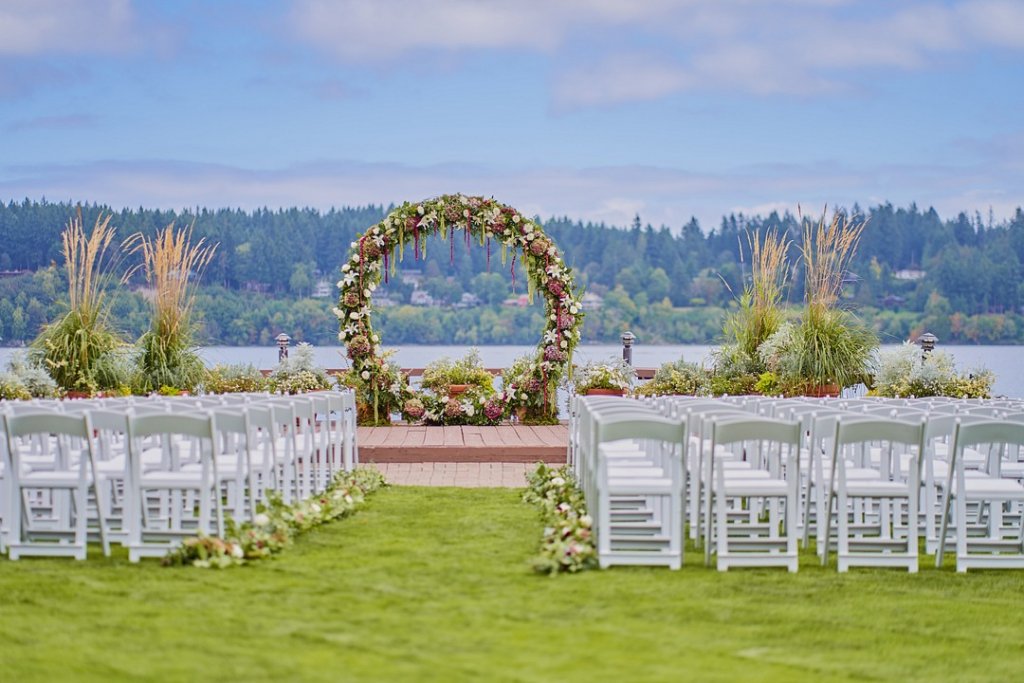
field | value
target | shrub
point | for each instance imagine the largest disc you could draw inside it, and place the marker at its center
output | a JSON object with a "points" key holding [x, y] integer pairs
{"points": [[903, 372], [299, 373], [677, 378], [227, 379], [32, 377], [613, 374]]}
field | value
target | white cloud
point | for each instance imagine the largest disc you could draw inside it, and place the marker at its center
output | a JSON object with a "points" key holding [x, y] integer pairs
{"points": [[34, 27], [611, 194], [801, 47], [995, 22]]}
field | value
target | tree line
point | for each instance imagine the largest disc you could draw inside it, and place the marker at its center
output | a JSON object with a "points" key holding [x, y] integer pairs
{"points": [[960, 278]]}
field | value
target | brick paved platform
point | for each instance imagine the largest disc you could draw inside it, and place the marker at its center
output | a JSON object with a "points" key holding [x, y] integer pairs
{"points": [[466, 474], [468, 444]]}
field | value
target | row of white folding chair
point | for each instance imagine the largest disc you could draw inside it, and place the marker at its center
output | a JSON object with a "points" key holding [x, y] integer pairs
{"points": [[933, 474], [630, 462], [870, 473], [743, 479], [74, 472], [232, 454]]}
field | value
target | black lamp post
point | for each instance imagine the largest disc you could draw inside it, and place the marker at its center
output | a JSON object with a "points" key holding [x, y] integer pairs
{"points": [[627, 346], [927, 342], [282, 346]]}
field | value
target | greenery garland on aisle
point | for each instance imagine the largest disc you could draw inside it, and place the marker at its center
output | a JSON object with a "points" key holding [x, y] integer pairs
{"points": [[275, 525], [372, 258], [568, 544]]}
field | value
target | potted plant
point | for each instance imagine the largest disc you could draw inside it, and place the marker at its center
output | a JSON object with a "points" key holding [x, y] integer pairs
{"points": [[757, 315], [904, 372], [172, 265], [381, 389], [453, 378], [678, 378], [527, 393], [827, 348], [612, 377], [299, 373], [238, 378], [72, 348]]}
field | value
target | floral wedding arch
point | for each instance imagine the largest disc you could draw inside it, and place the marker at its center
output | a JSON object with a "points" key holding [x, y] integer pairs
{"points": [[373, 256]]}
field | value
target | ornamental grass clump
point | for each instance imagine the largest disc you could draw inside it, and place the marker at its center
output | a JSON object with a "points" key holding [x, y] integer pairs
{"points": [[828, 348], [71, 348], [173, 265], [759, 313], [757, 317]]}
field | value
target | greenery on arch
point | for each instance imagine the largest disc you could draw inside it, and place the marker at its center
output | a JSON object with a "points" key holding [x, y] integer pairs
{"points": [[372, 258]]}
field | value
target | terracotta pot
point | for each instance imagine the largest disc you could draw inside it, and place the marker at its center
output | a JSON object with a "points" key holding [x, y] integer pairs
{"points": [[822, 390], [605, 392], [364, 414], [457, 389]]}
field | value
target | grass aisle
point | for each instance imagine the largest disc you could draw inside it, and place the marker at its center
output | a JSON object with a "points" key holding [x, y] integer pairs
{"points": [[433, 584]]}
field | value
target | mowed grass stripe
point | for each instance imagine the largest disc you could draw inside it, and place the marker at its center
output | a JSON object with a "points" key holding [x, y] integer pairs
{"points": [[434, 584]]}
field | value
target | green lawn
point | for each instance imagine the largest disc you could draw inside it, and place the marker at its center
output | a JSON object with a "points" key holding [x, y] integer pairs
{"points": [[433, 584]]}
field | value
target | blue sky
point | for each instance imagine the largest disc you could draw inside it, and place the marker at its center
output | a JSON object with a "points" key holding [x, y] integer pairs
{"points": [[595, 109]]}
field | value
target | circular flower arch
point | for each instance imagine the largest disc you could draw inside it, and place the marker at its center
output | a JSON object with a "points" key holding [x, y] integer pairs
{"points": [[372, 255]]}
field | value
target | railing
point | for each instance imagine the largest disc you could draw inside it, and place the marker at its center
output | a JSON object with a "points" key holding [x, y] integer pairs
{"points": [[641, 373]]}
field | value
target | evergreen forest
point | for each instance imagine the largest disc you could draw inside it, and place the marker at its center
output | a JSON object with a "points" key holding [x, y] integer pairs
{"points": [[274, 271]]}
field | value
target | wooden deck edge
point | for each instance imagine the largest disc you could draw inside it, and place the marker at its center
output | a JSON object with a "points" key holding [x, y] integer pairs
{"points": [[385, 454]]}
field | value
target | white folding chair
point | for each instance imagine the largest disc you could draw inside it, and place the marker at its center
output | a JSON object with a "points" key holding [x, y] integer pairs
{"points": [[1000, 544], [872, 529], [69, 477], [743, 540], [156, 527]]}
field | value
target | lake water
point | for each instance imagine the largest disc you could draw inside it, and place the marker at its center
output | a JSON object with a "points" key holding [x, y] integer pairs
{"points": [[1007, 362]]}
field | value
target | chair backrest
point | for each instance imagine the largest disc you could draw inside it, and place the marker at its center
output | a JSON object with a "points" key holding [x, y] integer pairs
{"points": [[199, 426], [731, 429], [45, 422], [989, 432], [638, 426], [40, 426], [878, 429]]}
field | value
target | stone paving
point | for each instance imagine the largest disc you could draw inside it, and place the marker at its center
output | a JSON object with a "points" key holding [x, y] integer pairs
{"points": [[465, 474]]}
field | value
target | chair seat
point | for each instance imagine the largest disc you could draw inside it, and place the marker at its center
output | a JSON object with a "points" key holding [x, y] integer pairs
{"points": [[637, 471], [50, 479], [984, 488], [171, 480], [879, 489], [755, 487], [640, 485]]}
